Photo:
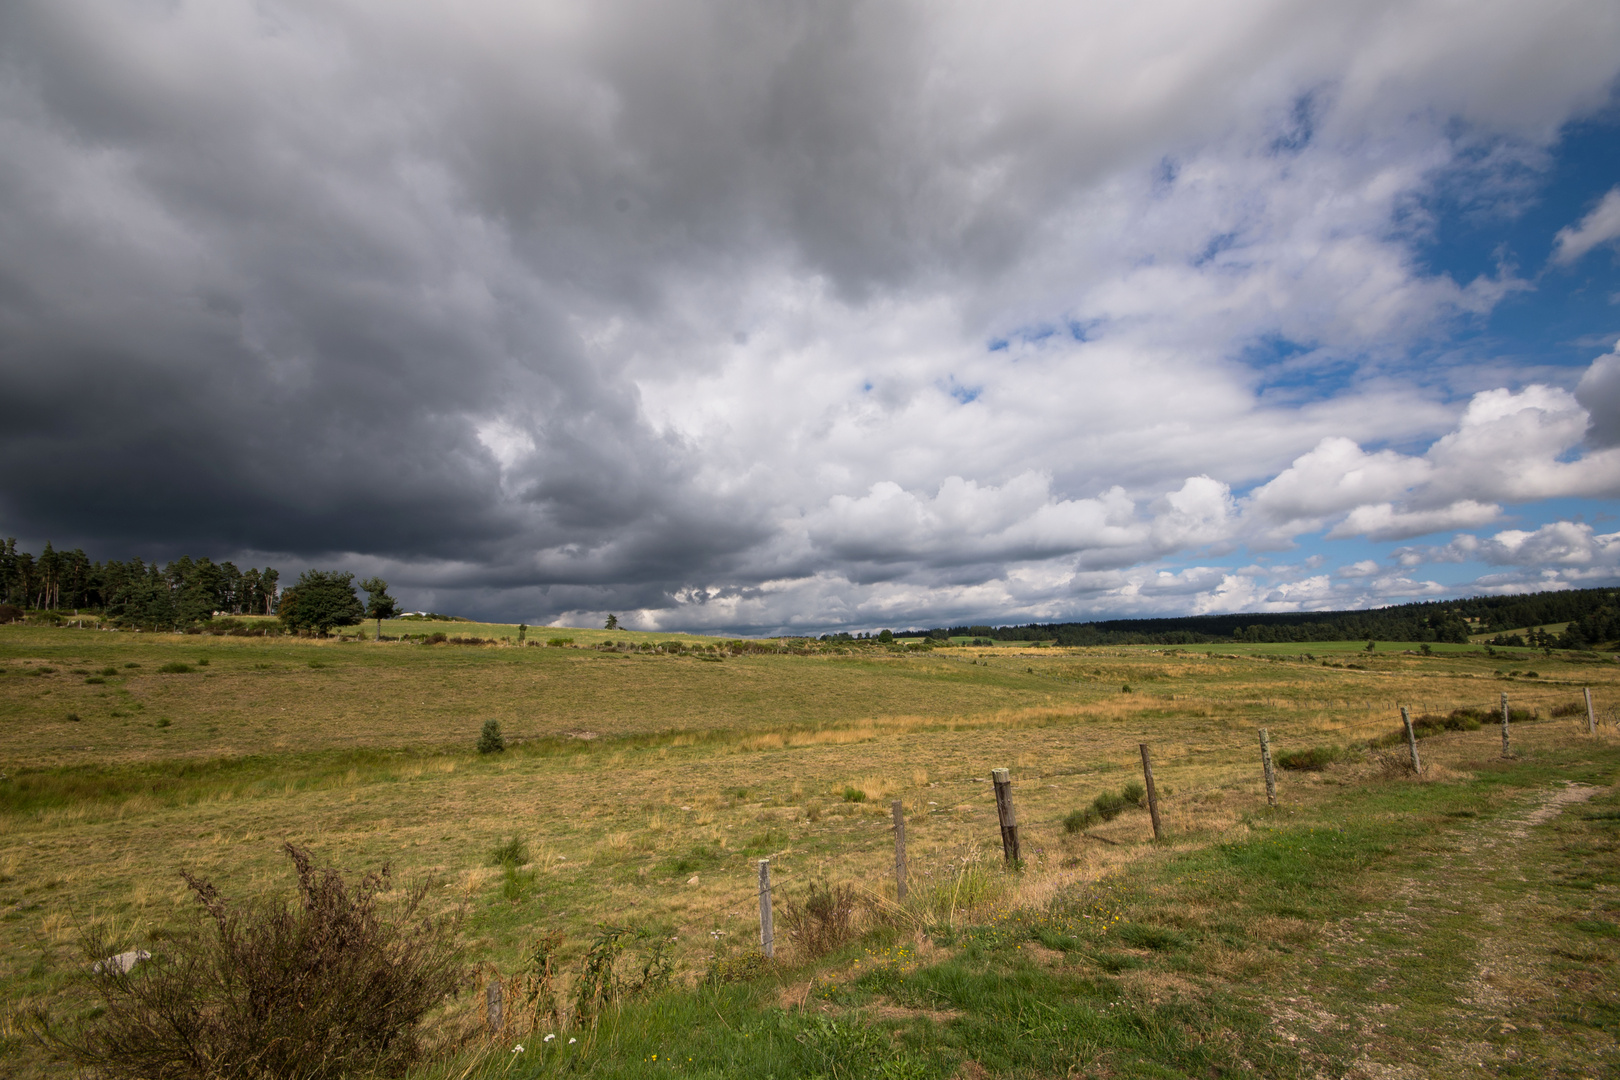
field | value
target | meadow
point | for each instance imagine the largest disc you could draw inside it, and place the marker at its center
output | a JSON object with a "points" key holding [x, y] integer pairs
{"points": [[641, 788]]}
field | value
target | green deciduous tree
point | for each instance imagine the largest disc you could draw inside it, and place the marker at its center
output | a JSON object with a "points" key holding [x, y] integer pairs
{"points": [[319, 601]]}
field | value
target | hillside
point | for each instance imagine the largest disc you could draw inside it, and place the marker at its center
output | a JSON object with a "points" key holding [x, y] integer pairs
{"points": [[1592, 617]]}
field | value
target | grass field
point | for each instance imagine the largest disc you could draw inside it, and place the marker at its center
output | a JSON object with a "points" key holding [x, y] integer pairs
{"points": [[644, 787]]}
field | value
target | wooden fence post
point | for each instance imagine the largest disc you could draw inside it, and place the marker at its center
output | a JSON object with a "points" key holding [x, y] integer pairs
{"points": [[1152, 792], [1007, 815], [899, 810], [1411, 740], [1265, 762], [492, 1005], [1505, 752], [767, 930], [1591, 717]]}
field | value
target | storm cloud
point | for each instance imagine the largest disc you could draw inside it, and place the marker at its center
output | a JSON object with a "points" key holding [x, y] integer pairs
{"points": [[771, 315]]}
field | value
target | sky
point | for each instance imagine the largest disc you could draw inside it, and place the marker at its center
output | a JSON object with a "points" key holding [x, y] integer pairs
{"points": [[769, 316]]}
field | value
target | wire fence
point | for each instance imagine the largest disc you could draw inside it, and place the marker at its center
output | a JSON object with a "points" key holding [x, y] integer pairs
{"points": [[773, 889]]}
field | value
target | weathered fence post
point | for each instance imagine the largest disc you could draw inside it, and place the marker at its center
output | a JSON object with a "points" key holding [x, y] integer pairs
{"points": [[1505, 752], [1591, 717], [1411, 740], [1007, 815], [1265, 762], [1152, 792], [492, 1005], [767, 930], [899, 810]]}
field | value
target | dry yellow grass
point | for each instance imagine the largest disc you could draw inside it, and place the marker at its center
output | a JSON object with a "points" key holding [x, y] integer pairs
{"points": [[695, 771]]}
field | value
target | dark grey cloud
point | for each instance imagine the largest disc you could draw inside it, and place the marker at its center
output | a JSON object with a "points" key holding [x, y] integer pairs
{"points": [[239, 314]]}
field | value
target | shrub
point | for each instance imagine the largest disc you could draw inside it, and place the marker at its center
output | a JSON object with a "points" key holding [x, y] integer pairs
{"points": [[10, 613], [95, 680], [1134, 792], [490, 740], [325, 987], [822, 921], [109, 671], [1315, 759], [175, 667], [1080, 820], [854, 794], [1109, 806], [1465, 719], [559, 642], [1570, 708]]}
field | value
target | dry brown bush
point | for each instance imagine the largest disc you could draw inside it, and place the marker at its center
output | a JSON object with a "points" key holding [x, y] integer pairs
{"points": [[822, 921], [325, 987]]}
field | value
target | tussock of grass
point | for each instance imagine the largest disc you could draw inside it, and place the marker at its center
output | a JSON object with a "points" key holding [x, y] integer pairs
{"points": [[513, 852]]}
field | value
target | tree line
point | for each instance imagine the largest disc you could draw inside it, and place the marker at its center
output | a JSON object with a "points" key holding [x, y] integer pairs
{"points": [[134, 592], [1593, 615], [185, 592]]}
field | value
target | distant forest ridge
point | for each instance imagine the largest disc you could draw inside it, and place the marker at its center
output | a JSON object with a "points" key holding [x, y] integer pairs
{"points": [[134, 593], [190, 590], [1593, 615]]}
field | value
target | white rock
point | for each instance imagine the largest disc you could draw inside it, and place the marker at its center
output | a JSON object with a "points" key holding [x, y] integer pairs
{"points": [[123, 963]]}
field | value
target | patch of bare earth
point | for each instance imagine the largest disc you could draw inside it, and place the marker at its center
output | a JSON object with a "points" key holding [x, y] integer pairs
{"points": [[900, 1012]]}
